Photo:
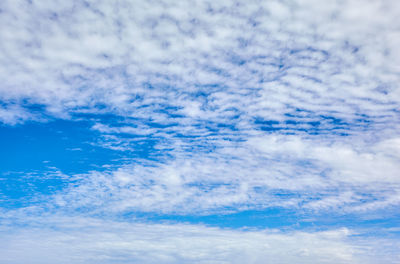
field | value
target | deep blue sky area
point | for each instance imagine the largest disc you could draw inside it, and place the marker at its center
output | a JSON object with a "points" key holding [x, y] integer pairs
{"points": [[41, 157]]}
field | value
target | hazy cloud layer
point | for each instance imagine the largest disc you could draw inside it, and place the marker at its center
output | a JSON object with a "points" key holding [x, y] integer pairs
{"points": [[85, 240]]}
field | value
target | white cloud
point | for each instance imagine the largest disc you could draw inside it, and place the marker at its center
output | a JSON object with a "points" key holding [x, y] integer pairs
{"points": [[14, 114], [243, 100], [74, 56], [315, 175], [85, 240]]}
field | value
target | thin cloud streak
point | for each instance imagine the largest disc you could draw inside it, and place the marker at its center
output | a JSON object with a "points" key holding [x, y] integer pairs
{"points": [[86, 240]]}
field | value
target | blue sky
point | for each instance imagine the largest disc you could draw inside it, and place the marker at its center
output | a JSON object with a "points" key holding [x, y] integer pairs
{"points": [[199, 131]]}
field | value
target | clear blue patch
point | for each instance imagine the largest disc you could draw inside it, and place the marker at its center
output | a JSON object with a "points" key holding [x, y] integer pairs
{"points": [[39, 158]]}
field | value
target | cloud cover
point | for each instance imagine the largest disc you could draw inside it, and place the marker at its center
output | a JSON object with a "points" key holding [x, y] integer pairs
{"points": [[279, 83], [86, 240], [245, 105]]}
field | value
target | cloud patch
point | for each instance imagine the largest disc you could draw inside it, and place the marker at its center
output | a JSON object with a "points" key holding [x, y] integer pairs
{"points": [[85, 240]]}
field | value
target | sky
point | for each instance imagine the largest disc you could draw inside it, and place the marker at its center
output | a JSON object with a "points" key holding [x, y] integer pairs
{"points": [[196, 131]]}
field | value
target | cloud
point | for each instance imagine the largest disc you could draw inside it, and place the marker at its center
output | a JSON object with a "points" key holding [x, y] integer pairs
{"points": [[269, 171], [240, 105], [264, 59], [14, 114], [86, 240], [235, 96]]}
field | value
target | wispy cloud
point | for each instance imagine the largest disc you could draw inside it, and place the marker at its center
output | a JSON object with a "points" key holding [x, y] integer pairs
{"points": [[337, 176], [84, 240]]}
